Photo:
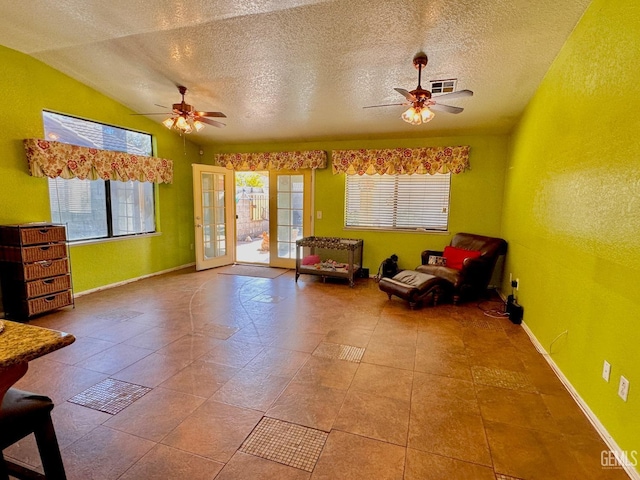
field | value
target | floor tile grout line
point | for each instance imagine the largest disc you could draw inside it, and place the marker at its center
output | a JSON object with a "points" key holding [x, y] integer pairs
{"points": [[468, 327]]}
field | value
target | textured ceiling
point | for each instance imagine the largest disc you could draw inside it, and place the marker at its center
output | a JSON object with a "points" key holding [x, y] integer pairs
{"points": [[300, 69]]}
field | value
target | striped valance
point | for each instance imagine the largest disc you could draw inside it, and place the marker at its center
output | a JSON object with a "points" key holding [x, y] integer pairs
{"points": [[272, 160], [55, 159], [406, 161]]}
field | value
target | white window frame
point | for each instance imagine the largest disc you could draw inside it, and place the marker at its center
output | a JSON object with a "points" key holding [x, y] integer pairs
{"points": [[418, 202]]}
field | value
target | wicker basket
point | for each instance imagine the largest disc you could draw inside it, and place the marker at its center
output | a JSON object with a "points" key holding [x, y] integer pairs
{"points": [[36, 253], [50, 302], [53, 234], [32, 235], [44, 269], [39, 288]]}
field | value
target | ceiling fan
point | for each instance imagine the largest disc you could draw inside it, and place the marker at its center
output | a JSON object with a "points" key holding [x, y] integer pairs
{"points": [[420, 100], [185, 118]]}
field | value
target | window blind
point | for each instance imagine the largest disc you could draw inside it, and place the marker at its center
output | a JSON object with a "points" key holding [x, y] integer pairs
{"points": [[398, 201]]}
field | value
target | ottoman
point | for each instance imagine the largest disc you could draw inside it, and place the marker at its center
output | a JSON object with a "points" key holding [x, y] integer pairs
{"points": [[415, 287]]}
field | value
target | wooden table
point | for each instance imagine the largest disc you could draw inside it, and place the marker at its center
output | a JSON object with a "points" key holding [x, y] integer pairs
{"points": [[19, 344]]}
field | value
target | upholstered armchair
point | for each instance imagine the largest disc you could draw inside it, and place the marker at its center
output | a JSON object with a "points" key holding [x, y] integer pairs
{"points": [[467, 264]]}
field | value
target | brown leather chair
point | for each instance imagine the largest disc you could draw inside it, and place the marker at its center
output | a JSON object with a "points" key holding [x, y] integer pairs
{"points": [[473, 278]]}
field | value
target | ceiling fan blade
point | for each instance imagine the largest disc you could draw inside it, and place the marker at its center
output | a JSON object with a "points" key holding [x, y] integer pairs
{"points": [[387, 105], [406, 94], [210, 122], [458, 94], [210, 114], [154, 113], [445, 108], [161, 106]]}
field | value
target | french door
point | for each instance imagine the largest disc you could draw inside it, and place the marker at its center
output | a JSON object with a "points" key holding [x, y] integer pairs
{"points": [[290, 214], [214, 216]]}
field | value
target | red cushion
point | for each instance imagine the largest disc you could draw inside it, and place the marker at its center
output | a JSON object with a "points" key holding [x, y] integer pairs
{"points": [[311, 260], [456, 256]]}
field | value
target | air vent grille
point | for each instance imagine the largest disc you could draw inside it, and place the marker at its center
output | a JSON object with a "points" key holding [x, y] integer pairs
{"points": [[443, 86]]}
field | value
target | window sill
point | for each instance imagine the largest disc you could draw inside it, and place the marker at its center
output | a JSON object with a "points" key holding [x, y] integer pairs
{"points": [[92, 241]]}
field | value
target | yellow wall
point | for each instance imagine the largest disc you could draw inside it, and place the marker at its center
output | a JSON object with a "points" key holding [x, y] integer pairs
{"points": [[476, 195], [28, 86], [572, 212]]}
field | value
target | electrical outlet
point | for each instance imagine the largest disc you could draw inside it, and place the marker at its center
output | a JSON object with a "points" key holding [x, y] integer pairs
{"points": [[606, 371], [623, 388], [319, 214]]}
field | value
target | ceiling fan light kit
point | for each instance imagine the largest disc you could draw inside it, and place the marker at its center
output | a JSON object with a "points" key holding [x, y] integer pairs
{"points": [[183, 124], [420, 101], [416, 116]]}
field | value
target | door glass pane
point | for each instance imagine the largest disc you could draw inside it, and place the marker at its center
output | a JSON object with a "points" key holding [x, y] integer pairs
{"points": [[213, 221], [297, 183], [208, 215], [284, 199], [284, 250], [284, 234], [290, 204], [284, 182], [296, 200], [296, 218], [284, 216], [206, 182]]}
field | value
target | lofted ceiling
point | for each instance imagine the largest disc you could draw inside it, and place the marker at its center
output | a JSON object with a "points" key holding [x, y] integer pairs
{"points": [[299, 70]]}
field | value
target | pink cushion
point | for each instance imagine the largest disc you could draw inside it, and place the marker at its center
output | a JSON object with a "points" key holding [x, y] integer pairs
{"points": [[456, 256], [311, 260]]}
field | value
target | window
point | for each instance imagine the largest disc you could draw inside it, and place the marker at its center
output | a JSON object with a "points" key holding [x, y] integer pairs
{"points": [[99, 208], [398, 201]]}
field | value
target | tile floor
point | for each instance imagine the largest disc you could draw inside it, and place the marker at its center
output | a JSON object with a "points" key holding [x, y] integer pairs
{"points": [[384, 392]]}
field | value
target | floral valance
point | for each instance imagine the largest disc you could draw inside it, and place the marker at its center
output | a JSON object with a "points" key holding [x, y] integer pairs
{"points": [[406, 161], [55, 159], [273, 160]]}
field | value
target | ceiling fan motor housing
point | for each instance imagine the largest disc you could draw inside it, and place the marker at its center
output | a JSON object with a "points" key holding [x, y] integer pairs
{"points": [[183, 108], [421, 94]]}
